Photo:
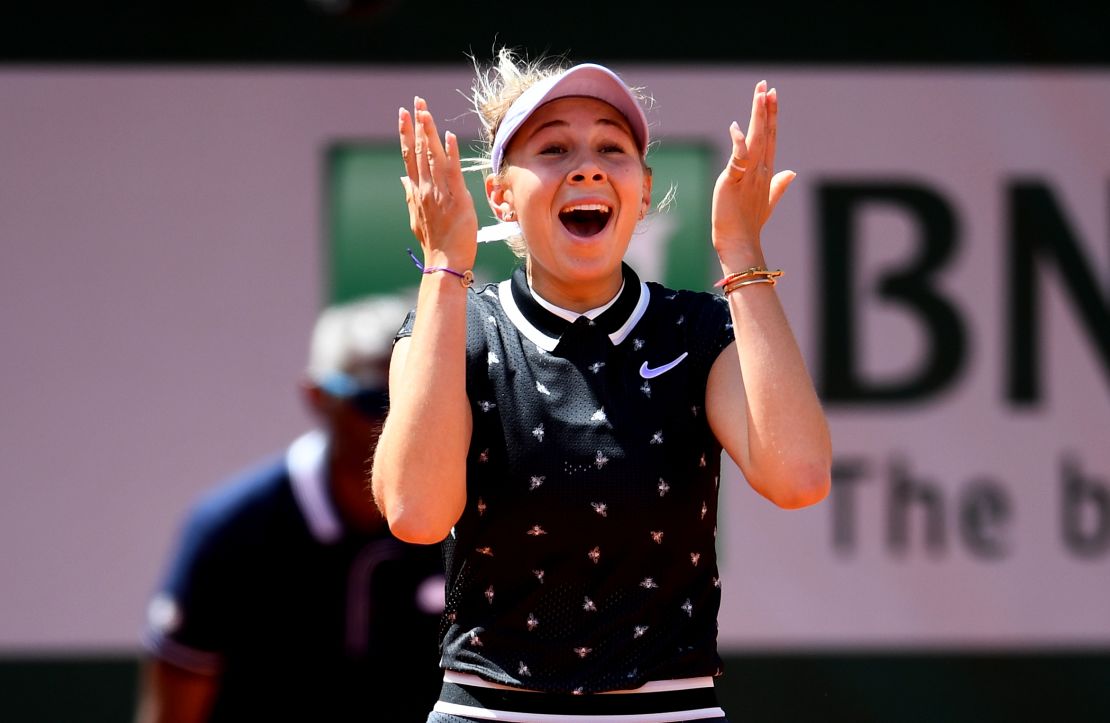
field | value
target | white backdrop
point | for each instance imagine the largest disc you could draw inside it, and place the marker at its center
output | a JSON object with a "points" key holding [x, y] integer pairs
{"points": [[161, 263]]}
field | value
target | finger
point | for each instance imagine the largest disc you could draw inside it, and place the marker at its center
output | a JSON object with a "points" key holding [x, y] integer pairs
{"points": [[757, 137], [772, 127], [413, 209], [420, 145], [760, 87], [738, 161], [779, 183], [408, 139], [433, 148], [455, 182]]}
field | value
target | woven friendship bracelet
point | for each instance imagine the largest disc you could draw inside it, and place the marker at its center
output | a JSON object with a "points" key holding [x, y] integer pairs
{"points": [[466, 278]]}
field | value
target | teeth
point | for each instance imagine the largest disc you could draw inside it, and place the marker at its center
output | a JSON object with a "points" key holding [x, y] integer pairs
{"points": [[587, 207]]}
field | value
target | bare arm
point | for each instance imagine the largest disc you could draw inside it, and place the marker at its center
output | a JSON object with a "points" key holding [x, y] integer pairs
{"points": [[169, 694], [419, 471], [760, 399]]}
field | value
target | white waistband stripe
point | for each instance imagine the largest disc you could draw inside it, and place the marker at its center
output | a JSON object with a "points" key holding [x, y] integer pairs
{"points": [[516, 717], [652, 686]]}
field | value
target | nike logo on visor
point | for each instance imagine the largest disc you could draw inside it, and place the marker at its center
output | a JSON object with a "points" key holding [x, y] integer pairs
{"points": [[648, 373]]}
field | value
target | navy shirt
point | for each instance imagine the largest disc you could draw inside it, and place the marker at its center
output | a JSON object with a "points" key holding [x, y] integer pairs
{"points": [[585, 558], [300, 617]]}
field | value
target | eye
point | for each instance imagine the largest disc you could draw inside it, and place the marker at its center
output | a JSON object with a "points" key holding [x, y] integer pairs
{"points": [[552, 149], [612, 148]]}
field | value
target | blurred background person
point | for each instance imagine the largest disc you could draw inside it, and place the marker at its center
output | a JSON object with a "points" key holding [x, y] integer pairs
{"points": [[286, 595]]}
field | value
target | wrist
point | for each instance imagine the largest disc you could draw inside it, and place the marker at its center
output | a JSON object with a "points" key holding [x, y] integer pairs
{"points": [[463, 274], [438, 257], [737, 260]]}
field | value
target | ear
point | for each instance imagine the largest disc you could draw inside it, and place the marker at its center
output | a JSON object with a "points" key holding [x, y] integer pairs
{"points": [[314, 397], [645, 201], [500, 198]]}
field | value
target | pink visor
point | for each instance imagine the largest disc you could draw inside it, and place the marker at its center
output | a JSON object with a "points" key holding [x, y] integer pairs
{"points": [[589, 80]]}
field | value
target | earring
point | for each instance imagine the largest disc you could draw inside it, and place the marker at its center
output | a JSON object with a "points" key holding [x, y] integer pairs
{"points": [[510, 215]]}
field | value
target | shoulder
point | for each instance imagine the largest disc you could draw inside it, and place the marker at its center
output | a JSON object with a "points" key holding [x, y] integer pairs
{"points": [[700, 320], [255, 493], [479, 301], [686, 301]]}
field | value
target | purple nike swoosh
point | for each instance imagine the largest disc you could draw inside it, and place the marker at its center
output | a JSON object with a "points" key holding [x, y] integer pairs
{"points": [[648, 373]]}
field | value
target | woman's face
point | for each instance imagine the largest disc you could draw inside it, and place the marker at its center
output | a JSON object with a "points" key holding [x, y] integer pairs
{"points": [[576, 182]]}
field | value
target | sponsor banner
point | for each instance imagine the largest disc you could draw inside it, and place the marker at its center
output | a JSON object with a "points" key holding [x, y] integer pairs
{"points": [[947, 255]]}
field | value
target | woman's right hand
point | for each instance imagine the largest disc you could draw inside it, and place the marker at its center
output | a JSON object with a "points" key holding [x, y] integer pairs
{"points": [[441, 210]]}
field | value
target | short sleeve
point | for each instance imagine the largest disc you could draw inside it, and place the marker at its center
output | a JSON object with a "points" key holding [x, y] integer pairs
{"points": [[185, 622], [406, 326], [711, 328]]}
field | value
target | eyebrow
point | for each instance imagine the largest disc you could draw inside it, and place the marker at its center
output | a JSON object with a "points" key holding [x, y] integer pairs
{"points": [[560, 122]]}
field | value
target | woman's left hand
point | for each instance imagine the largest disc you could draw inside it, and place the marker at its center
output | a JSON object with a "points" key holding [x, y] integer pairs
{"points": [[748, 189]]}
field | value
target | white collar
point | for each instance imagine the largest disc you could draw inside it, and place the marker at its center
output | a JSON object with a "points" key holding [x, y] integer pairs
{"points": [[548, 343], [572, 315], [305, 461]]}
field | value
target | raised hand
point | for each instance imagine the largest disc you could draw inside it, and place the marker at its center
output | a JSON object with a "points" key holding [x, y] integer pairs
{"points": [[441, 210], [748, 189]]}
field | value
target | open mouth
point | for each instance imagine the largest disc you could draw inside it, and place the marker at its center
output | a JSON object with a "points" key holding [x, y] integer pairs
{"points": [[586, 219]]}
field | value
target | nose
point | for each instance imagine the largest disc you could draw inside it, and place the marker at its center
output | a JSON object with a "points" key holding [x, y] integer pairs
{"points": [[586, 171]]}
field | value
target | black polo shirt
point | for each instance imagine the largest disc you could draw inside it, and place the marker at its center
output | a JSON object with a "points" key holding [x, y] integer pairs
{"points": [[585, 558]]}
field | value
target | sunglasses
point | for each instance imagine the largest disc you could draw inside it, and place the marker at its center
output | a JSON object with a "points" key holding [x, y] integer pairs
{"points": [[370, 401]]}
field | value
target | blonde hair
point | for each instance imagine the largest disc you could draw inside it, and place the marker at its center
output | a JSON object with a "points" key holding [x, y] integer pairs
{"points": [[497, 85]]}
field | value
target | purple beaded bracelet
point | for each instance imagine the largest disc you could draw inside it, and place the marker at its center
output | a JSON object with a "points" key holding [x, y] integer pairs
{"points": [[466, 278]]}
